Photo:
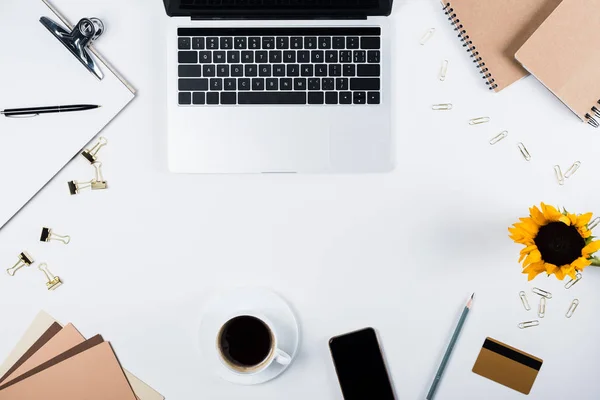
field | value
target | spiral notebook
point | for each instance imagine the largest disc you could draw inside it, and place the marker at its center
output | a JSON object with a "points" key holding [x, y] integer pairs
{"points": [[493, 30], [564, 55]]}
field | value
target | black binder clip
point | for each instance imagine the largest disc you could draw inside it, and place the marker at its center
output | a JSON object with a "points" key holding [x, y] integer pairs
{"points": [[78, 40]]}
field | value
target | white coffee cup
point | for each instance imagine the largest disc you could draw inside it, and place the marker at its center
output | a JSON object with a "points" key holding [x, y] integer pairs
{"points": [[232, 331]]}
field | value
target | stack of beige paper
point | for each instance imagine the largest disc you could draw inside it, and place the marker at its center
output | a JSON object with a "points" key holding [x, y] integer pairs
{"points": [[52, 362]]}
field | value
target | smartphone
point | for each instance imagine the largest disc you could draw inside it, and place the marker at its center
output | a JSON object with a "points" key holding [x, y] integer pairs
{"points": [[360, 366]]}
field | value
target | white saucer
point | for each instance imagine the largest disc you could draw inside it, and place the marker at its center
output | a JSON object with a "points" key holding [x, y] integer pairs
{"points": [[259, 300]]}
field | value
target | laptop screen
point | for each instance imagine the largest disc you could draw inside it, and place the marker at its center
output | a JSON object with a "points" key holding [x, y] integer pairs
{"points": [[285, 9]]}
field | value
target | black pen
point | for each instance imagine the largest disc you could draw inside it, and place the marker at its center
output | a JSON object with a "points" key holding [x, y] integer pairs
{"points": [[33, 112]]}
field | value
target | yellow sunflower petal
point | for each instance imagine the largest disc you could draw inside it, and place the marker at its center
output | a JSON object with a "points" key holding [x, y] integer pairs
{"points": [[584, 219], [553, 215], [570, 271], [590, 249], [581, 263], [529, 249], [533, 257], [534, 270], [572, 218], [584, 232], [538, 216], [560, 273], [529, 225], [550, 268]]}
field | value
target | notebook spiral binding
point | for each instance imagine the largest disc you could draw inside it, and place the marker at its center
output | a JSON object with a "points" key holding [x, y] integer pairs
{"points": [[471, 48], [591, 120]]}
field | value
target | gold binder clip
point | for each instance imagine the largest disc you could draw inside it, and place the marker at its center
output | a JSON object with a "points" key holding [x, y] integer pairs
{"points": [[25, 260], [99, 183], [48, 235], [91, 153], [75, 187], [53, 281]]}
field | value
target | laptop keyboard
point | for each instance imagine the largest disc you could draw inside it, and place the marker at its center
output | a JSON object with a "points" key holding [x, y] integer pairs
{"points": [[267, 66]]}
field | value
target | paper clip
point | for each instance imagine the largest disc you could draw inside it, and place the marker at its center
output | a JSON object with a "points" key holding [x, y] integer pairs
{"points": [[524, 151], [559, 175], [524, 300], [572, 282], [572, 308], [542, 293], [528, 324], [99, 183], [498, 137], [53, 281], [478, 121], [446, 106], [594, 223], [48, 235], [572, 169], [428, 35], [75, 187], [25, 260], [91, 153], [542, 307], [444, 70]]}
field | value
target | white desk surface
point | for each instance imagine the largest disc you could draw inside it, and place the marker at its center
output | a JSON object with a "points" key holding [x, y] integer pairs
{"points": [[400, 251]]}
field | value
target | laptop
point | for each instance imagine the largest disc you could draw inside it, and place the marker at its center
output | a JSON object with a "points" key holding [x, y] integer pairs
{"points": [[279, 86]]}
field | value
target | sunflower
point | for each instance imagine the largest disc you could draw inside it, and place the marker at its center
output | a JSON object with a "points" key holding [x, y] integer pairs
{"points": [[557, 243]]}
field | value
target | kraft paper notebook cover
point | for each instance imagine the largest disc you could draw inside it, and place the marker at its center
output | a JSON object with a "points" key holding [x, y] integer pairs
{"points": [[564, 55], [493, 30]]}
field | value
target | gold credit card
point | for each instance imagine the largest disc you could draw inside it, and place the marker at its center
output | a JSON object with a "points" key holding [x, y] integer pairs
{"points": [[507, 366]]}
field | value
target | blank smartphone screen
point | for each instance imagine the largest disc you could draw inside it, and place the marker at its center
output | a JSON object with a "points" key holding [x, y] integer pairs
{"points": [[360, 366]]}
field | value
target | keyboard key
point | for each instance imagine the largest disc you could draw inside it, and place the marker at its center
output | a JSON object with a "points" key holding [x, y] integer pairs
{"points": [[339, 43], [341, 84], [226, 43], [185, 98], [360, 56], [283, 43], [254, 43], [306, 70], [316, 97], [199, 98], [205, 57], [229, 84], [268, 43], [212, 98], [335, 70], [296, 43], [258, 84], [219, 57], [349, 69], [240, 43], [237, 70], [352, 42], [275, 56], [247, 57], [359, 98], [317, 56], [233, 56], [264, 70], [321, 70], [346, 56], [370, 42], [216, 84], [279, 70], [324, 43], [261, 57], [212, 43], [373, 56], [228, 98], [328, 84], [251, 70], [300, 84], [331, 56], [310, 42], [243, 84], [285, 83], [293, 70], [373, 98], [304, 56], [208, 71], [272, 84], [190, 71], [345, 97], [289, 56], [331, 98], [314, 84], [272, 98], [368, 70], [223, 70], [193, 84], [184, 43], [188, 57], [198, 43], [365, 84]]}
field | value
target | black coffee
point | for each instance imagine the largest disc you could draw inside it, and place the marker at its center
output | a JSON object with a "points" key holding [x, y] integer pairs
{"points": [[246, 341]]}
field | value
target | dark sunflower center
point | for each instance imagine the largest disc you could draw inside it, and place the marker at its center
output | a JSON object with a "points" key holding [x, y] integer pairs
{"points": [[559, 244]]}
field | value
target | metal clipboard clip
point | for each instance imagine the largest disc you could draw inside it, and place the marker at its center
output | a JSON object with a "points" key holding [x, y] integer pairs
{"points": [[78, 40]]}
